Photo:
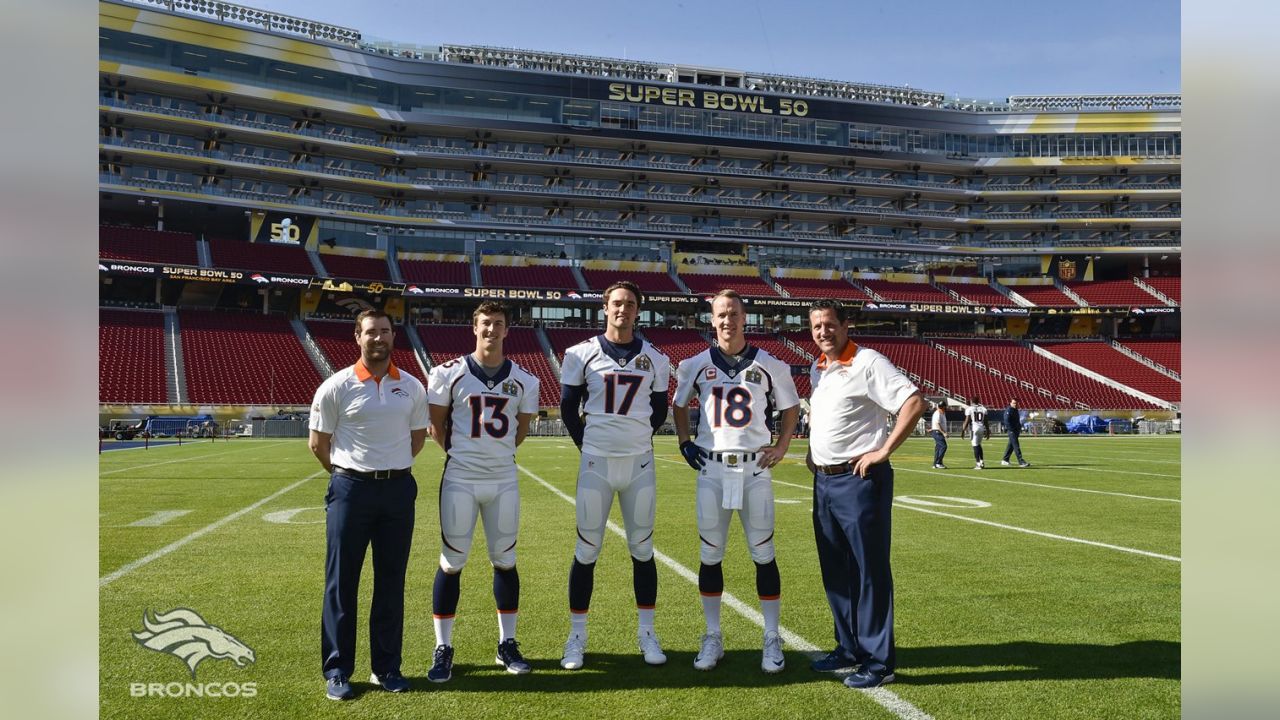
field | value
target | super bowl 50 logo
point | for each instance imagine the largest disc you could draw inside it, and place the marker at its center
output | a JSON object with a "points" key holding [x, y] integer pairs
{"points": [[182, 633]]}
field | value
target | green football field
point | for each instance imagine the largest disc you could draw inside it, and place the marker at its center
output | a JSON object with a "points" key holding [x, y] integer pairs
{"points": [[1046, 592]]}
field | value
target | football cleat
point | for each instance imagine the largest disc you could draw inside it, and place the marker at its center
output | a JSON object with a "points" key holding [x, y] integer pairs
{"points": [[574, 648], [1005, 463], [711, 652], [772, 661], [651, 649]]}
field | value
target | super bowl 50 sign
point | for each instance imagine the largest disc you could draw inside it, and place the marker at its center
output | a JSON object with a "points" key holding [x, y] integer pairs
{"points": [[280, 228]]}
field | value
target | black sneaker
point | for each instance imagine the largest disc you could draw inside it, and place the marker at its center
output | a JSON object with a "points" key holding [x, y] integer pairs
{"points": [[442, 665], [509, 657], [864, 679], [833, 662], [390, 681], [337, 688]]}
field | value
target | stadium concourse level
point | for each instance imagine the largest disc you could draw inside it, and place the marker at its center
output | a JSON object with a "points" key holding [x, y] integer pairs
{"points": [[1105, 360], [131, 357], [711, 283], [145, 245], [336, 339], [244, 359], [270, 257]]}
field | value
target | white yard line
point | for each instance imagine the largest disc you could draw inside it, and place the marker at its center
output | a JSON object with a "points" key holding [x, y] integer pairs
{"points": [[1052, 536], [1031, 484], [885, 698], [108, 579], [185, 459]]}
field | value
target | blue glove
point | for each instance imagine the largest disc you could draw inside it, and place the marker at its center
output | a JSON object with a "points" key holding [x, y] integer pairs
{"points": [[694, 455]]}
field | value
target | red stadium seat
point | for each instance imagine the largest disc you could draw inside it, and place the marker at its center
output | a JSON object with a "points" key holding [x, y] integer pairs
{"points": [[659, 282], [435, 272], [1105, 360], [554, 277], [1101, 293], [1044, 295], [446, 342], [980, 294], [817, 288], [907, 291], [1164, 352], [245, 359], [131, 357], [356, 267], [146, 245], [1171, 287], [709, 284], [336, 340], [267, 257]]}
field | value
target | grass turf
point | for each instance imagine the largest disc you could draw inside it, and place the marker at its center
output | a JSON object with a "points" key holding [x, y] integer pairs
{"points": [[991, 621]]}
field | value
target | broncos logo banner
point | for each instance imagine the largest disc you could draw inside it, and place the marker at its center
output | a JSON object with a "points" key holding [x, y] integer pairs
{"points": [[181, 632]]}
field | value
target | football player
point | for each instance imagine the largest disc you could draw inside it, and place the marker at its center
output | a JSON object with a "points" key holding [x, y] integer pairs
{"points": [[621, 382], [975, 416], [736, 386], [481, 405]]}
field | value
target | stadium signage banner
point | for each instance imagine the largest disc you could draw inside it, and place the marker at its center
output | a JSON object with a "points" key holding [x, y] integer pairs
{"points": [[1154, 311], [707, 99], [370, 287], [126, 268], [179, 272]]}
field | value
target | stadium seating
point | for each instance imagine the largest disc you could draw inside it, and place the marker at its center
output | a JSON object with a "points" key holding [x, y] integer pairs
{"points": [[146, 245], [817, 288], [1105, 360], [1164, 352], [554, 277], [336, 340], [1170, 286], [709, 284], [907, 291], [980, 294], [564, 338], [1044, 295], [446, 342], [245, 359], [355, 267], [266, 257], [647, 281], [679, 345], [775, 347], [1100, 293], [434, 272], [1014, 359], [131, 357]]}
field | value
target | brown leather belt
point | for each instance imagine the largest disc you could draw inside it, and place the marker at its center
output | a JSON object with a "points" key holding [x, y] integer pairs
{"points": [[840, 469]]}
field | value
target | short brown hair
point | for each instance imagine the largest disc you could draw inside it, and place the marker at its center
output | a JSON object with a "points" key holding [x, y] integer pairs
{"points": [[371, 313], [841, 311], [728, 293], [624, 285], [491, 307]]}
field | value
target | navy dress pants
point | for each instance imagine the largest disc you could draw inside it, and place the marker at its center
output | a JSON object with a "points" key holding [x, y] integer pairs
{"points": [[852, 524], [360, 514], [939, 446]]}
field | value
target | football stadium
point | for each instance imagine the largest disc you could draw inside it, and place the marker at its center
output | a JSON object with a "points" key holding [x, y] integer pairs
{"points": [[265, 178]]}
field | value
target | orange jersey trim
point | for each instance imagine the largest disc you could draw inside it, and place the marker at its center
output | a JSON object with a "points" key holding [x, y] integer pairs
{"points": [[846, 356]]}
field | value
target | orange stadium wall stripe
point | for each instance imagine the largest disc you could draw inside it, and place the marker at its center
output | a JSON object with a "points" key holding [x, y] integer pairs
{"points": [[891, 277]]}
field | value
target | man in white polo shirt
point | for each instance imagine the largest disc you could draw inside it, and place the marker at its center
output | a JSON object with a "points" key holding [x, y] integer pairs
{"points": [[368, 422], [855, 389]]}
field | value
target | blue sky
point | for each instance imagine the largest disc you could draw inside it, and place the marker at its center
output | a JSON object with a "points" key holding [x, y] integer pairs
{"points": [[972, 48]]}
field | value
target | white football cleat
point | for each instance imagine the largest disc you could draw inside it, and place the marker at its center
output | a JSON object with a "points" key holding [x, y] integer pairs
{"points": [[711, 652], [772, 660], [650, 648], [574, 648], [1005, 463]]}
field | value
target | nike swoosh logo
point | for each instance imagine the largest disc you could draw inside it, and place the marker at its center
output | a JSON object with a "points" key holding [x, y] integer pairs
{"points": [[757, 474], [644, 466]]}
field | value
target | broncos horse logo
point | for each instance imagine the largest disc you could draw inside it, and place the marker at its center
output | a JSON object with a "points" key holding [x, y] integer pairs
{"points": [[181, 632]]}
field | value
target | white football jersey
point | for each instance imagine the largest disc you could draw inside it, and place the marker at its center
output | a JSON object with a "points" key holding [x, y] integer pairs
{"points": [[481, 438], [977, 414], [619, 380], [735, 399]]}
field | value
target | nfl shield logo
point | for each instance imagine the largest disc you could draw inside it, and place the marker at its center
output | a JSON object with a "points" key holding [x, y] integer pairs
{"points": [[1067, 269]]}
